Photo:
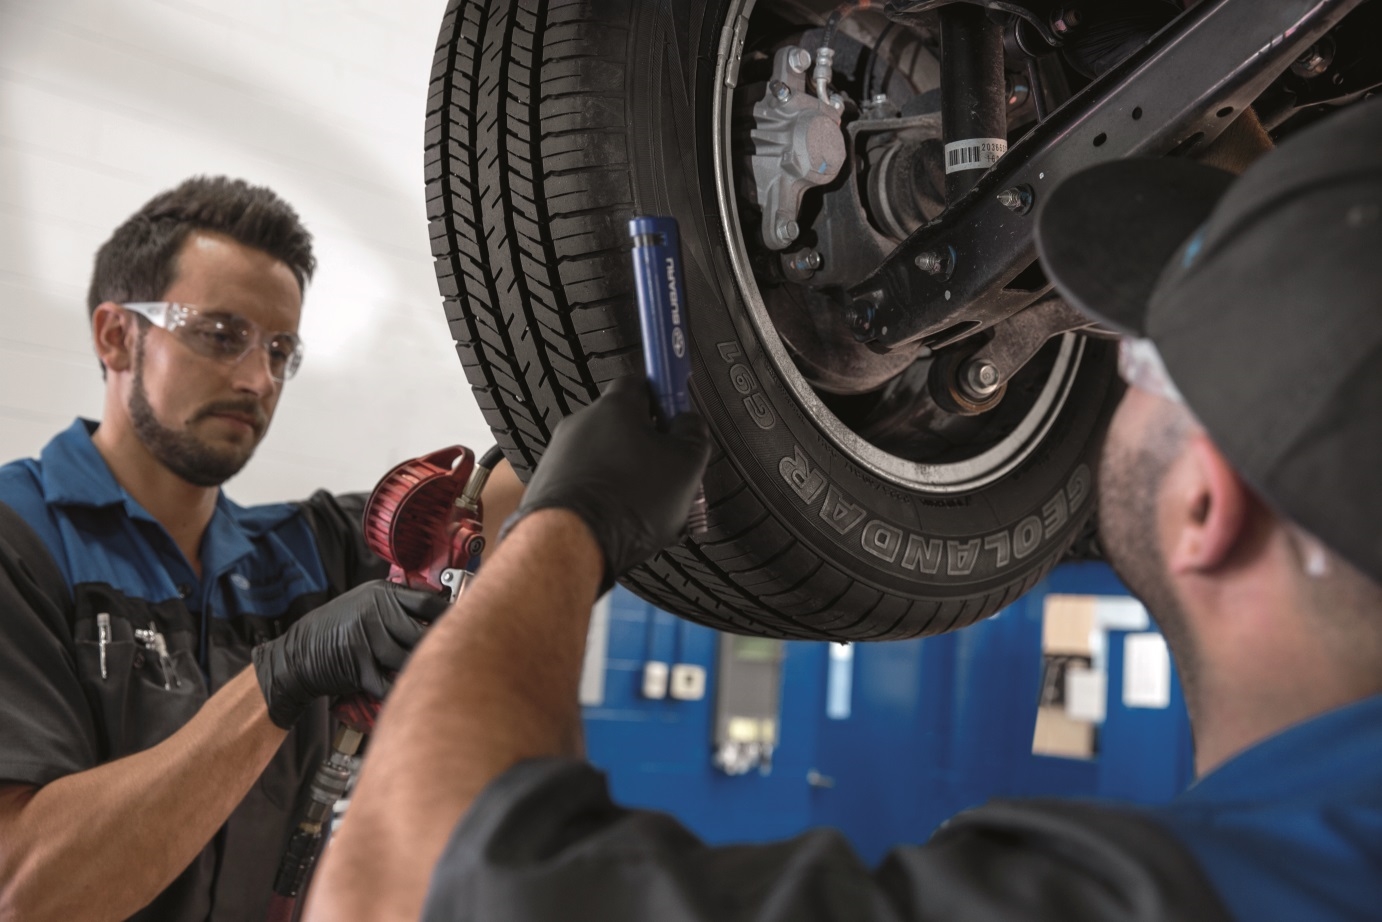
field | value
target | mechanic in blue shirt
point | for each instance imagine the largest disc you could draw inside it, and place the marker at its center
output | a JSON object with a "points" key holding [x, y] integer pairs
{"points": [[1239, 498], [166, 655]]}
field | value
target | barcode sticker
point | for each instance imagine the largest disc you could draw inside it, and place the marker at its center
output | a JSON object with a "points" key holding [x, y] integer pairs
{"points": [[974, 153]]}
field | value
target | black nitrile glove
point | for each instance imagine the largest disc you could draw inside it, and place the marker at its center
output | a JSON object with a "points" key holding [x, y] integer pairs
{"points": [[349, 645], [631, 484]]}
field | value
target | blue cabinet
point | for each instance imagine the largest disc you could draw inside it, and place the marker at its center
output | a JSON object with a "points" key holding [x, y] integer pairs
{"points": [[883, 741]]}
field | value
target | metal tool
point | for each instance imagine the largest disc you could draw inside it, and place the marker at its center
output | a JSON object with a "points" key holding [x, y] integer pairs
{"points": [[662, 312], [103, 640], [424, 518], [154, 641]]}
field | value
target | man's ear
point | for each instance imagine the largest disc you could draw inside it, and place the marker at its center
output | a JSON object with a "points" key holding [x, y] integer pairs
{"points": [[1211, 508], [114, 331]]}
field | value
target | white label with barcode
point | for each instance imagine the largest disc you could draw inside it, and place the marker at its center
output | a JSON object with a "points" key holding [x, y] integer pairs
{"points": [[974, 154]]}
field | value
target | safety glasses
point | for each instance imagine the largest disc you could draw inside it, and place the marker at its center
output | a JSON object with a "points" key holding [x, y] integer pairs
{"points": [[222, 336], [1140, 365]]}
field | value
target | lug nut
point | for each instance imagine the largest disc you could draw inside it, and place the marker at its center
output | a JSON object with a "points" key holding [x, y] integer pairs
{"points": [[787, 231], [981, 378], [1311, 63], [799, 59], [1316, 59], [859, 315], [781, 91], [1016, 199], [1064, 20], [930, 262], [936, 262], [804, 261]]}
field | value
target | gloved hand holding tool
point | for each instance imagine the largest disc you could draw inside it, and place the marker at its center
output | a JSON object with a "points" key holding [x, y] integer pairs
{"points": [[424, 518], [351, 644], [631, 484], [637, 499]]}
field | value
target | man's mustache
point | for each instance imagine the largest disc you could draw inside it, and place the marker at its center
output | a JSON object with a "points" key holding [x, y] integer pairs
{"points": [[246, 408]]}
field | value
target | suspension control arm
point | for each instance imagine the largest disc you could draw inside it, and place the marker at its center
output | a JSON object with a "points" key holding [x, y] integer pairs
{"points": [[976, 264]]}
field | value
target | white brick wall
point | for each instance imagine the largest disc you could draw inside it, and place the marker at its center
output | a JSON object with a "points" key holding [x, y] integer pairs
{"points": [[104, 103]]}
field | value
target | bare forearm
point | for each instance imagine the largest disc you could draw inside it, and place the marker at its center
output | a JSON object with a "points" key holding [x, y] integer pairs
{"points": [[102, 843], [493, 683], [501, 497]]}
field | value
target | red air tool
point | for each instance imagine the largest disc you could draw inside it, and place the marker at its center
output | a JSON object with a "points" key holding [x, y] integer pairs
{"points": [[424, 519]]}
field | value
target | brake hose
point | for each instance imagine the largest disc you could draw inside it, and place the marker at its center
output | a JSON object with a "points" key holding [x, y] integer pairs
{"points": [[873, 74], [825, 54]]}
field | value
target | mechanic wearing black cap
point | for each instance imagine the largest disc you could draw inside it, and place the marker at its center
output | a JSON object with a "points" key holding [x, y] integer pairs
{"points": [[147, 769], [1240, 499]]}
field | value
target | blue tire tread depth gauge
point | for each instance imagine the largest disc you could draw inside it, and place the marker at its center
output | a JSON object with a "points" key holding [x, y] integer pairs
{"points": [[662, 315]]}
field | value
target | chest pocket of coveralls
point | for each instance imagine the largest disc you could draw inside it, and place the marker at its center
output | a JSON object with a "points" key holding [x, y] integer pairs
{"points": [[228, 652], [140, 697]]}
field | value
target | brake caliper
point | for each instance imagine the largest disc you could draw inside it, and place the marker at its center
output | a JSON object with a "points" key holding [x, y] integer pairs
{"points": [[797, 143]]}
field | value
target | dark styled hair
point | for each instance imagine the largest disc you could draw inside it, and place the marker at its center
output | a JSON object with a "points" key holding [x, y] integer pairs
{"points": [[139, 261]]}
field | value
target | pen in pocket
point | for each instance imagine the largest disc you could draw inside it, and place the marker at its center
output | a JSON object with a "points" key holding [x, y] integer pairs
{"points": [[102, 639]]}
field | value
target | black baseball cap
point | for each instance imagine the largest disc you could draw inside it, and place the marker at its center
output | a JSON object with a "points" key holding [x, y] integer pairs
{"points": [[1263, 296]]}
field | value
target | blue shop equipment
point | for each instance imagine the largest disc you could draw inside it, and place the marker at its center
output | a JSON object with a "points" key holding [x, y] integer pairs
{"points": [[745, 739]]}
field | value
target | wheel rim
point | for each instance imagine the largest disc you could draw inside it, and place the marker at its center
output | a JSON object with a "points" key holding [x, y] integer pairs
{"points": [[959, 476]]}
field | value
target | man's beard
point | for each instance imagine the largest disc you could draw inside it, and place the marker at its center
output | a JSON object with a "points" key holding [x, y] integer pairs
{"points": [[1130, 479], [182, 452]]}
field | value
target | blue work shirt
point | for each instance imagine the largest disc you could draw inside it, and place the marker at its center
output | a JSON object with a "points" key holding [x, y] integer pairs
{"points": [[254, 561], [1292, 827], [93, 591]]}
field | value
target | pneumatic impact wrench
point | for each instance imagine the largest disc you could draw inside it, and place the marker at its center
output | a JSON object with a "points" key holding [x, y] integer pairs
{"points": [[424, 518]]}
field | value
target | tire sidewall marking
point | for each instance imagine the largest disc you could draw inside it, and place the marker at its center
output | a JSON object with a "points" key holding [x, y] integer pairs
{"points": [[913, 553], [877, 539]]}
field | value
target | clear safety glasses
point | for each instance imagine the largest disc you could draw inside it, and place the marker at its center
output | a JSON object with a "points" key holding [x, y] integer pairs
{"points": [[1140, 365], [222, 336]]}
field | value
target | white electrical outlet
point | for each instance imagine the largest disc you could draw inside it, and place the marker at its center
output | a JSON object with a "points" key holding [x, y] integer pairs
{"points": [[688, 682]]}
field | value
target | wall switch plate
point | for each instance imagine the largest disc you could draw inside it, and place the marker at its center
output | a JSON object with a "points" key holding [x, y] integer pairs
{"points": [[655, 675], [688, 682], [1086, 695]]}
